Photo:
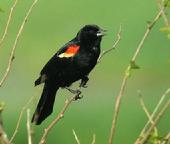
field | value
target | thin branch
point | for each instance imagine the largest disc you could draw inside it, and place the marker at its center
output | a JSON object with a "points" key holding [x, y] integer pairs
{"points": [[126, 76], [29, 127], [161, 5], [148, 30], [11, 58], [157, 119], [3, 136], [94, 139], [147, 112], [58, 118], [8, 22], [166, 140], [76, 137], [114, 45], [153, 114], [20, 118]]}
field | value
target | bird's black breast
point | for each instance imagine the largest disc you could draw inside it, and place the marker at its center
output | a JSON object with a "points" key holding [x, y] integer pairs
{"points": [[86, 60]]}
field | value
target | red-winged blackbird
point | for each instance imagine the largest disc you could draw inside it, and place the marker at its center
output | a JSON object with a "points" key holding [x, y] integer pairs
{"points": [[72, 62]]}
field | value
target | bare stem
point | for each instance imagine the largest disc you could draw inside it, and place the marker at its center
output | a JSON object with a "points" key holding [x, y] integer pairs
{"points": [[76, 137], [161, 5], [94, 139], [126, 76], [114, 45], [166, 139], [58, 118], [153, 114], [29, 127], [20, 118], [3, 136], [157, 119], [147, 113], [148, 30], [11, 58], [8, 22], [117, 108]]}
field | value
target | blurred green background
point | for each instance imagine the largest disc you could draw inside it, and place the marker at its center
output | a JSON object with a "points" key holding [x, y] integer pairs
{"points": [[52, 24]]}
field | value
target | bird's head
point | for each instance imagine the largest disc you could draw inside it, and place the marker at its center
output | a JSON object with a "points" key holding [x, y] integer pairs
{"points": [[90, 34]]}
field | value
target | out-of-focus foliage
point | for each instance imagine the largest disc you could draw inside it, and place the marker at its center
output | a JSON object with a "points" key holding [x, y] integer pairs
{"points": [[53, 23], [166, 30], [2, 105], [1, 10], [168, 3]]}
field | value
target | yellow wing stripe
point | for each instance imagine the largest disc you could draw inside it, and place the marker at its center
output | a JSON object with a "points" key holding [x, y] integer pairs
{"points": [[66, 55]]}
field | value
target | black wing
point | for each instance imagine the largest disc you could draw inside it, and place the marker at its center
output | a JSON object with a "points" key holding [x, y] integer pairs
{"points": [[56, 63]]}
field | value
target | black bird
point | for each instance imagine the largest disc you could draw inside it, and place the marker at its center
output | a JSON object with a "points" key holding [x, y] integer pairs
{"points": [[71, 63]]}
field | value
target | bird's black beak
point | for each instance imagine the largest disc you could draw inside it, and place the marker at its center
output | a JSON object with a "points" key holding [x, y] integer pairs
{"points": [[101, 33]]}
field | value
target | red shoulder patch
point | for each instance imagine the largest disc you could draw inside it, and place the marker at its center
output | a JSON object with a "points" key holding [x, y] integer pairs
{"points": [[70, 52], [73, 49]]}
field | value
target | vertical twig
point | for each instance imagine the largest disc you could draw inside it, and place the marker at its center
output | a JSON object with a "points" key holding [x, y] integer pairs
{"points": [[126, 76], [94, 139], [20, 118], [11, 58], [8, 22], [3, 136], [76, 137], [29, 127]]}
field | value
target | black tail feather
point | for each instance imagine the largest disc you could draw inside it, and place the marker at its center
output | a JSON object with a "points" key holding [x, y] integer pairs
{"points": [[45, 104], [37, 82]]}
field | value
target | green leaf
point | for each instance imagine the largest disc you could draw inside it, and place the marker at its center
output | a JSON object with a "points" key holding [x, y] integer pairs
{"points": [[168, 36], [167, 3], [1, 10], [133, 65], [2, 105], [154, 138], [165, 29]]}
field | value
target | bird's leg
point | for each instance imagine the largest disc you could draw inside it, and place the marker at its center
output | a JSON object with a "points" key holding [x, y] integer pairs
{"points": [[77, 92], [84, 81], [78, 95], [73, 91]]}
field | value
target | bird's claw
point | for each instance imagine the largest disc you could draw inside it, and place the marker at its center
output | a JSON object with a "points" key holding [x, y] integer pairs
{"points": [[78, 92], [78, 96], [84, 82], [83, 85]]}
